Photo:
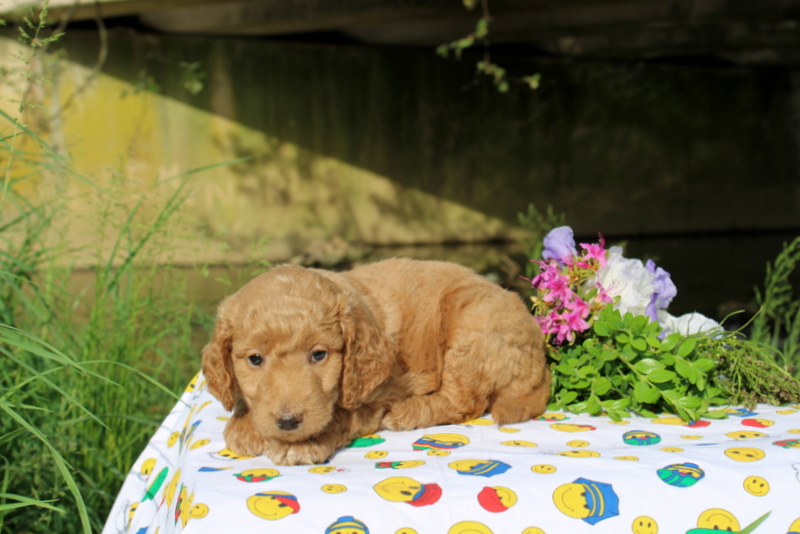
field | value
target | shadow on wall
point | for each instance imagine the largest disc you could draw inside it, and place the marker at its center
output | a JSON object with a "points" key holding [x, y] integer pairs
{"points": [[628, 149]]}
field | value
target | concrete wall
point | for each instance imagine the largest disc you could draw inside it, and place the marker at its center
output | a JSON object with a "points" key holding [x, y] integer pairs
{"points": [[395, 145]]}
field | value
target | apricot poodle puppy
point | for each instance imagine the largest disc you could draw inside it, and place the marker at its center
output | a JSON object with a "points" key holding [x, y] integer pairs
{"points": [[310, 359]]}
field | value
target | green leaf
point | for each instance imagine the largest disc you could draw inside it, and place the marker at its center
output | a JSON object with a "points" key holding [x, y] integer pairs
{"points": [[687, 347], [566, 369], [639, 344], [628, 354], [610, 355], [690, 403], [661, 375], [593, 405], [645, 393], [601, 328], [682, 366], [648, 365], [654, 342], [578, 407], [567, 396], [704, 365], [638, 324], [670, 342], [592, 347], [752, 526], [716, 414], [623, 338], [616, 404], [601, 385]]}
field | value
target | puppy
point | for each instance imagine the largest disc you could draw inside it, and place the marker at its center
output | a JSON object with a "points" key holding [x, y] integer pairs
{"points": [[310, 359]]}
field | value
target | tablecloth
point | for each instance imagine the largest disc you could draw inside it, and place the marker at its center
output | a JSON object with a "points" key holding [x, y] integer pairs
{"points": [[558, 473]]}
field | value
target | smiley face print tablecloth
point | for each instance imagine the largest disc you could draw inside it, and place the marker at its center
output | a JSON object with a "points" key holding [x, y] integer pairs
{"points": [[558, 473]]}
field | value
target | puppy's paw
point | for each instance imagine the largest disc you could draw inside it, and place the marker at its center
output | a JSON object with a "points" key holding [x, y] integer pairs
{"points": [[242, 438], [302, 453], [398, 420]]}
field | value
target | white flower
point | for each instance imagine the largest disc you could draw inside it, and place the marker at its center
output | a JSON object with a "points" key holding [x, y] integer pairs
{"points": [[629, 279], [688, 324]]}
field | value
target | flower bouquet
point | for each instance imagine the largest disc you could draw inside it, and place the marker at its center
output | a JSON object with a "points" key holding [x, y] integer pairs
{"points": [[613, 348]]}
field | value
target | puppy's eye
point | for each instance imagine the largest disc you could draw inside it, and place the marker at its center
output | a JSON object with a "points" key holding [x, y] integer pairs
{"points": [[255, 359], [318, 355]]}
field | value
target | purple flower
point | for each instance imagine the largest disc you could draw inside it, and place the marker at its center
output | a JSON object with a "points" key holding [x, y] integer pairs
{"points": [[664, 290], [559, 244]]}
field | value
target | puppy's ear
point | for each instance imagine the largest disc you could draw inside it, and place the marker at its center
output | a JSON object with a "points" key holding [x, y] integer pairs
{"points": [[368, 352], [217, 361]]}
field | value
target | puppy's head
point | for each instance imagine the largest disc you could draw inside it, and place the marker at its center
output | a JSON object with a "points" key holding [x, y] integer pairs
{"points": [[291, 345]]}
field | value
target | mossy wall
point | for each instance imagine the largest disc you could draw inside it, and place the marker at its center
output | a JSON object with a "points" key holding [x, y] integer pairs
{"points": [[396, 145]]}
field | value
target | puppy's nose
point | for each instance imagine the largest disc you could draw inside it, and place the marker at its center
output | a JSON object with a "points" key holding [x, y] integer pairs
{"points": [[289, 421]]}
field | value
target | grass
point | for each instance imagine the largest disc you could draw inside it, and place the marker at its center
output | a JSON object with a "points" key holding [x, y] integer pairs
{"points": [[86, 376]]}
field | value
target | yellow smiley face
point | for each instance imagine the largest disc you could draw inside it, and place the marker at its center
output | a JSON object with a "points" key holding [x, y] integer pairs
{"points": [[406, 530], [199, 443], [570, 499], [644, 525], [578, 443], [376, 454], [480, 421], [579, 454], [756, 486], [745, 434], [627, 458], [518, 443], [671, 420], [322, 469], [691, 437], [745, 454], [508, 430], [544, 469], [795, 526], [333, 488], [786, 412], [533, 530], [434, 452], [147, 466], [398, 489], [192, 384], [794, 431], [759, 421], [273, 505], [469, 527], [230, 455], [621, 422], [169, 492], [671, 449], [718, 519], [568, 427], [173, 438], [507, 496]]}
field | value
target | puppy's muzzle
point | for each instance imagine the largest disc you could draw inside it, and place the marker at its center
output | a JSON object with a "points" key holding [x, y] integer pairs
{"points": [[289, 421]]}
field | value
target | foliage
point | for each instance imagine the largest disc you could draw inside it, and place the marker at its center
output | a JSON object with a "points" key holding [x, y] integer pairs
{"points": [[778, 323], [90, 361], [485, 66], [624, 367]]}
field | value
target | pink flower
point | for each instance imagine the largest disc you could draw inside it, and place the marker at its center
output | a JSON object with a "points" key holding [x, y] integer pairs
{"points": [[594, 252], [579, 306]]}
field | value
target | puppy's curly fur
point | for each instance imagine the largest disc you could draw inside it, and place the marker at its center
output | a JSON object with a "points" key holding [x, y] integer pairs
{"points": [[309, 359]]}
